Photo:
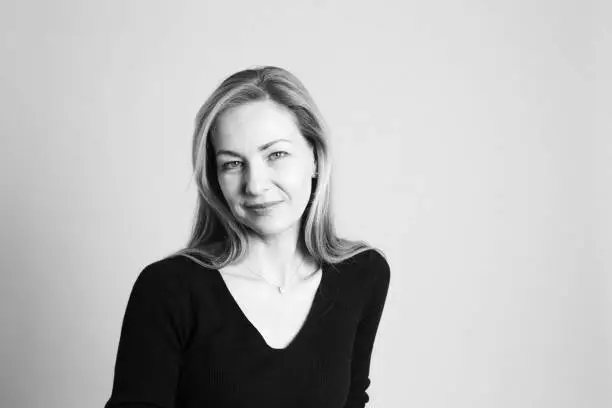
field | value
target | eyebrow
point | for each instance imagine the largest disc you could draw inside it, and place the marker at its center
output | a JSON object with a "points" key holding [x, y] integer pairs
{"points": [[260, 148]]}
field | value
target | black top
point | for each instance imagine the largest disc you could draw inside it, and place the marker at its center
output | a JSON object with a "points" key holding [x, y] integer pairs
{"points": [[186, 343]]}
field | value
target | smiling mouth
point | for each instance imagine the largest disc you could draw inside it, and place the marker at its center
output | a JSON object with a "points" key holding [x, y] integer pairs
{"points": [[262, 206]]}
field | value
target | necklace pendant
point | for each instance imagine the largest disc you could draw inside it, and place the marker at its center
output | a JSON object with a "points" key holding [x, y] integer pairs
{"points": [[281, 290]]}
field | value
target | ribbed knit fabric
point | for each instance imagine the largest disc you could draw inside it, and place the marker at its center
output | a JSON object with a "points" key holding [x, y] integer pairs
{"points": [[186, 343]]}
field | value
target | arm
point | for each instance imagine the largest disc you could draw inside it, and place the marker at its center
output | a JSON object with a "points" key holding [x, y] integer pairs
{"points": [[366, 333], [152, 334]]}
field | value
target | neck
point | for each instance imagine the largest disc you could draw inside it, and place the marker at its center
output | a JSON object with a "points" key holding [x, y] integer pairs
{"points": [[276, 257]]}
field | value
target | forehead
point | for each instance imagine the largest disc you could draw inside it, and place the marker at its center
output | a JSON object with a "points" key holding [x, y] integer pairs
{"points": [[255, 123]]}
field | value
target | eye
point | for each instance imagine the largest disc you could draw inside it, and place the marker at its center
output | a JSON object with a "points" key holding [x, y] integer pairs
{"points": [[278, 155], [230, 165]]}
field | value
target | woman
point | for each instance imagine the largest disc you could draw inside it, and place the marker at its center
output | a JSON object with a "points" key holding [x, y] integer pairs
{"points": [[266, 307]]}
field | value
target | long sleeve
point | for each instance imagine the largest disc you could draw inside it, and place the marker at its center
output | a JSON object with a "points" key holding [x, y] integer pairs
{"points": [[153, 332], [366, 334]]}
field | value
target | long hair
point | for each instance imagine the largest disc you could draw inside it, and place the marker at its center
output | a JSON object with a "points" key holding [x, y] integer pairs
{"points": [[217, 238]]}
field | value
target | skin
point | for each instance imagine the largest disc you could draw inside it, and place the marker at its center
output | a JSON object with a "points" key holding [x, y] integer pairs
{"points": [[270, 161]]}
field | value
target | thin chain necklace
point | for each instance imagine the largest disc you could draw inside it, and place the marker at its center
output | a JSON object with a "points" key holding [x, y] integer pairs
{"points": [[280, 288]]}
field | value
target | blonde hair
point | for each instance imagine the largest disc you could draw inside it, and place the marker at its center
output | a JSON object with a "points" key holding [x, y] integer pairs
{"points": [[217, 238]]}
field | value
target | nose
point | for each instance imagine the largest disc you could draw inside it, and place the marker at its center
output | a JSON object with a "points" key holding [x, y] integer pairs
{"points": [[256, 180]]}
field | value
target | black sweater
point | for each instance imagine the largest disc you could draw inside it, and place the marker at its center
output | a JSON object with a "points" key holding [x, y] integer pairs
{"points": [[186, 343]]}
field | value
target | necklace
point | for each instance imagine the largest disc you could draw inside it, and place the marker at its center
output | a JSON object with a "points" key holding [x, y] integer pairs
{"points": [[280, 288]]}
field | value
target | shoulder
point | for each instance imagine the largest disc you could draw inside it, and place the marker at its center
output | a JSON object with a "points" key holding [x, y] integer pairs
{"points": [[369, 266], [174, 274], [379, 269], [365, 281]]}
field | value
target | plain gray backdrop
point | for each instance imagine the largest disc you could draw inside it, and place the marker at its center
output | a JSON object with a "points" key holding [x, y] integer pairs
{"points": [[471, 143]]}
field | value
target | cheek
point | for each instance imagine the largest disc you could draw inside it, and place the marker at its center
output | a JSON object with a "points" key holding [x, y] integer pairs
{"points": [[297, 182], [229, 188]]}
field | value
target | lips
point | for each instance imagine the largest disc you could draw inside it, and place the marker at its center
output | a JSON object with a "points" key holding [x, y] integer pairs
{"points": [[261, 206]]}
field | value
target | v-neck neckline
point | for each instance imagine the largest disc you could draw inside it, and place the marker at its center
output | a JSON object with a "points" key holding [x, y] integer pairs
{"points": [[319, 301]]}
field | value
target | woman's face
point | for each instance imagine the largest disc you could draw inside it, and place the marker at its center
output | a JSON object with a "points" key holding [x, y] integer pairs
{"points": [[262, 158]]}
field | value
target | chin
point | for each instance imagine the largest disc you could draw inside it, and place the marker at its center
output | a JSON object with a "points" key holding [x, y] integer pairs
{"points": [[271, 226]]}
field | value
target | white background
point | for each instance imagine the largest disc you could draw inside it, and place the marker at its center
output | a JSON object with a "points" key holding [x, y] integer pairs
{"points": [[472, 144]]}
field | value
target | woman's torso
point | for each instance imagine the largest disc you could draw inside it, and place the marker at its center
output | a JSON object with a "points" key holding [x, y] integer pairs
{"points": [[277, 317]]}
